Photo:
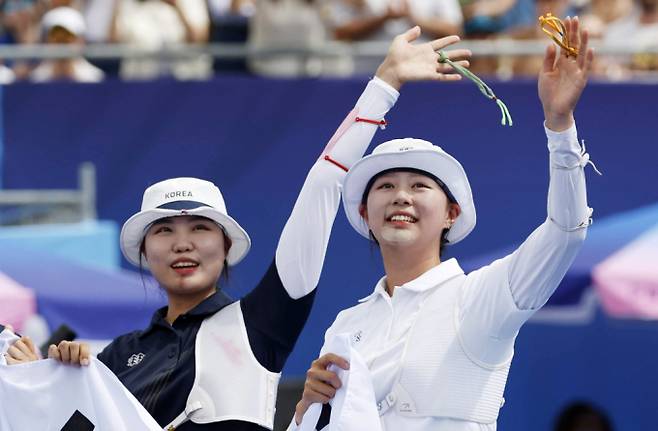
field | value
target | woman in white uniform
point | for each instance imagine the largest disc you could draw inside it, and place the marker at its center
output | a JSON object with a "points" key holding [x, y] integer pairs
{"points": [[438, 343]]}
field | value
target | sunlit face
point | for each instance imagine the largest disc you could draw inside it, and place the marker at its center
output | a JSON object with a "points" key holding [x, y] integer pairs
{"points": [[406, 209], [185, 254]]}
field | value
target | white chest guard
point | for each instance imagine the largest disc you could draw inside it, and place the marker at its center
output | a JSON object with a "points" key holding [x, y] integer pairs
{"points": [[438, 376], [230, 383]]}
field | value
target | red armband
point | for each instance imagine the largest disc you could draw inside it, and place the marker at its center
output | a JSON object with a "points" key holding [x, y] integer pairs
{"points": [[330, 160], [381, 123]]}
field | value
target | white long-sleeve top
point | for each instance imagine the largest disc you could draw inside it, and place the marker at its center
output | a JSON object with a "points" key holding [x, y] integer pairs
{"points": [[303, 243], [499, 299]]}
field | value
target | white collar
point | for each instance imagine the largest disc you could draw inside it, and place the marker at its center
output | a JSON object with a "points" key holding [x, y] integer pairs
{"points": [[430, 278]]}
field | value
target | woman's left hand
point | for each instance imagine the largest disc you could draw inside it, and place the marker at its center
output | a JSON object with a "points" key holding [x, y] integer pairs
{"points": [[562, 80]]}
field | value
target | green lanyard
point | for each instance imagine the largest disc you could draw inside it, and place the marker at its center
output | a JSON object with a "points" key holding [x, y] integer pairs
{"points": [[484, 88]]}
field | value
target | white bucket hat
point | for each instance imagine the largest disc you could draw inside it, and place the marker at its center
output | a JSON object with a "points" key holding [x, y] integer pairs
{"points": [[178, 197], [415, 154], [65, 17]]}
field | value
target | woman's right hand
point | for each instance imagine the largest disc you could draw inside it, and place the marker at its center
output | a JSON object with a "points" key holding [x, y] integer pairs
{"points": [[70, 352], [420, 62], [21, 352], [321, 384]]}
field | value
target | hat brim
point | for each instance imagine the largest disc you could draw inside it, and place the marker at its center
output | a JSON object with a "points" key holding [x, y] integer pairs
{"points": [[134, 229], [439, 164]]}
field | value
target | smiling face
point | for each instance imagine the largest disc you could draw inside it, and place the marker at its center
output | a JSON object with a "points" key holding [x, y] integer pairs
{"points": [[186, 254], [408, 209]]}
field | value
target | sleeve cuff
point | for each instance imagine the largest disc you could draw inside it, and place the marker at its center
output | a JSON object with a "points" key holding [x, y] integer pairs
{"points": [[564, 141], [386, 87], [376, 99]]}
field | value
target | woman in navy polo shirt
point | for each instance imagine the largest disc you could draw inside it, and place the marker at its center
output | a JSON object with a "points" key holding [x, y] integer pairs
{"points": [[208, 362]]}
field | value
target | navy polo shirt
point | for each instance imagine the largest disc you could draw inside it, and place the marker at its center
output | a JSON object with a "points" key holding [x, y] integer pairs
{"points": [[157, 364]]}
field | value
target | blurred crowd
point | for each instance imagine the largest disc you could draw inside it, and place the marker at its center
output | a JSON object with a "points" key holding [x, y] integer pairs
{"points": [[289, 25]]}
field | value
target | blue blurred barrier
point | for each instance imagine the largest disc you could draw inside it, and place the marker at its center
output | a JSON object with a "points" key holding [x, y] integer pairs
{"points": [[98, 303], [610, 362], [92, 243]]}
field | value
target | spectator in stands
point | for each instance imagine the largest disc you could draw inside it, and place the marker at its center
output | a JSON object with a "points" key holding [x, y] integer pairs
{"points": [[381, 20], [219, 8], [598, 14], [529, 66], [639, 26], [52, 4], [582, 416], [230, 24], [20, 24], [98, 16], [157, 24], [286, 25], [20, 21], [484, 18], [7, 76], [65, 26]]}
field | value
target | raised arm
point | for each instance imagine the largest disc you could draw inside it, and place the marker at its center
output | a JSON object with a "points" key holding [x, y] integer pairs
{"points": [[502, 296], [288, 286], [277, 309], [301, 249], [540, 264]]}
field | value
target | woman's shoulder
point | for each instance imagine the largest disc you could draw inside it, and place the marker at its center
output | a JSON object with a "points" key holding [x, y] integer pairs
{"points": [[119, 345], [356, 312], [128, 338]]}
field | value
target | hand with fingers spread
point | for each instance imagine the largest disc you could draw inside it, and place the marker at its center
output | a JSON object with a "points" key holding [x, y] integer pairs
{"points": [[406, 61], [563, 77], [21, 352], [321, 384], [70, 352]]}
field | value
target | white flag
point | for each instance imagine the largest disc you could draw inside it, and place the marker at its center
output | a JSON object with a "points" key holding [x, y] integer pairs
{"points": [[354, 407], [48, 396]]}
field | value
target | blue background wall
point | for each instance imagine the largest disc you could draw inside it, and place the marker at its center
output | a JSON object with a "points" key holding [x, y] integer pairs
{"points": [[256, 138]]}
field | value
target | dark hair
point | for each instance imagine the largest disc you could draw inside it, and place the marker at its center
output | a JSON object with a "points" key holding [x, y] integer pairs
{"points": [[441, 184], [582, 415]]}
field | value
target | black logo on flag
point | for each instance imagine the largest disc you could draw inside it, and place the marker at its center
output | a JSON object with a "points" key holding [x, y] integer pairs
{"points": [[78, 422]]}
